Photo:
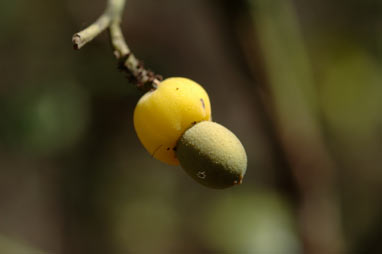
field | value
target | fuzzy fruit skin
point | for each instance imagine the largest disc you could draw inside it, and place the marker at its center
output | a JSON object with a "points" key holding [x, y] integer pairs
{"points": [[212, 155], [164, 114]]}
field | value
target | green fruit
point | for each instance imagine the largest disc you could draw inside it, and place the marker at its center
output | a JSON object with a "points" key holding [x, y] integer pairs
{"points": [[212, 155]]}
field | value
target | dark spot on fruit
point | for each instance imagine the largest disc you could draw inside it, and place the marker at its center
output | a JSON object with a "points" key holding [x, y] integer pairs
{"points": [[174, 148], [201, 174], [193, 123], [168, 148], [177, 88], [202, 101]]}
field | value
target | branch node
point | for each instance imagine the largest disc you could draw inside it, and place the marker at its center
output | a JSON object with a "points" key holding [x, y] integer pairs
{"points": [[144, 79]]}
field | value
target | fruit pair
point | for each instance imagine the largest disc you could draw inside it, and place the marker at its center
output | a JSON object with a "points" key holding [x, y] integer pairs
{"points": [[173, 122]]}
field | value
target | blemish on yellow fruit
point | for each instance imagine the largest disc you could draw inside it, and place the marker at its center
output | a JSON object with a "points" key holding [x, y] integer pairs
{"points": [[163, 115], [202, 101]]}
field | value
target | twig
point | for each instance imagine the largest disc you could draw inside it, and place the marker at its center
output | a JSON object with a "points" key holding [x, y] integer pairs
{"points": [[112, 12], [111, 18]]}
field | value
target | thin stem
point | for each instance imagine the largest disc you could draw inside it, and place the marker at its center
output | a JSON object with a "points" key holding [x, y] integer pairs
{"points": [[111, 18], [112, 12]]}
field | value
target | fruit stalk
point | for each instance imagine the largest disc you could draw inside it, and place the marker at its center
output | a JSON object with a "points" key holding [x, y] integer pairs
{"points": [[111, 19]]}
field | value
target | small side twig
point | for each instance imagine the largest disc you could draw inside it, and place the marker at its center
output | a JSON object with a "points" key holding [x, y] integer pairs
{"points": [[111, 19]]}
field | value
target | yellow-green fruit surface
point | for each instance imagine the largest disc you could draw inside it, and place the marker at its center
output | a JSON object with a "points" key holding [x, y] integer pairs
{"points": [[164, 114], [212, 155]]}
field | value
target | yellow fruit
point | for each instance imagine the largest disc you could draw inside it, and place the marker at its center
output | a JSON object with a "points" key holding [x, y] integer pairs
{"points": [[164, 114], [212, 155]]}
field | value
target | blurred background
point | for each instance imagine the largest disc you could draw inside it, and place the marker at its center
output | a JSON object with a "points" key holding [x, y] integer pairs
{"points": [[299, 82]]}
